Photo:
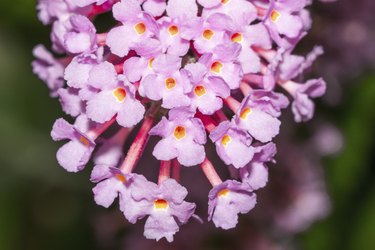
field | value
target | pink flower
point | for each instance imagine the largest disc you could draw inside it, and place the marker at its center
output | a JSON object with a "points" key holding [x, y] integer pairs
{"points": [[215, 67]]}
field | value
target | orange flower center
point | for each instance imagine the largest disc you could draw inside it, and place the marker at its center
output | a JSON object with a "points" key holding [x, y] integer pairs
{"points": [[199, 90], [160, 204], [236, 37], [173, 30], [170, 83], [179, 132], [140, 28], [121, 178], [223, 193], [208, 34], [244, 113], [119, 94], [225, 140], [275, 15], [216, 67], [84, 141]]}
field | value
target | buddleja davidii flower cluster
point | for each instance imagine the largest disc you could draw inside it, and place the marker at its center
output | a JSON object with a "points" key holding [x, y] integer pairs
{"points": [[193, 59]]}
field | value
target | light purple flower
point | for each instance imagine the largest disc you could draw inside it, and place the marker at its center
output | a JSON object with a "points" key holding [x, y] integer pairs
{"points": [[51, 10], [165, 207], [137, 32], [259, 124], [232, 144], [309, 204], [78, 71], [74, 155], [168, 83], [242, 12], [293, 65], [227, 200], [302, 106], [70, 101], [113, 183], [207, 90], [116, 97], [154, 7], [283, 19], [268, 101], [209, 3], [171, 37], [182, 9], [136, 67], [81, 38], [83, 3], [248, 36], [209, 33], [183, 138], [223, 62], [255, 173], [48, 69]]}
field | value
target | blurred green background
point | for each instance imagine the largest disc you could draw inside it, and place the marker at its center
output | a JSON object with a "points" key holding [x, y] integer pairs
{"points": [[44, 207]]}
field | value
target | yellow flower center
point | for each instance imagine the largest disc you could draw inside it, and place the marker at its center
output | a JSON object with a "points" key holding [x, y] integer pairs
{"points": [[160, 204], [150, 61], [140, 28], [179, 132], [173, 30], [84, 141], [275, 15], [244, 113], [121, 178], [223, 193], [225, 140], [119, 94], [216, 67], [208, 34], [236, 37], [199, 90], [170, 83]]}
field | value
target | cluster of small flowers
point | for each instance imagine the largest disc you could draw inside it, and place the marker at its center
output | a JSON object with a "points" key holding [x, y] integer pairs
{"points": [[192, 58]]}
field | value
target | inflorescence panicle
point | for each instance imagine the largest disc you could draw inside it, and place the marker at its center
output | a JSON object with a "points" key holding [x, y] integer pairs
{"points": [[173, 67]]}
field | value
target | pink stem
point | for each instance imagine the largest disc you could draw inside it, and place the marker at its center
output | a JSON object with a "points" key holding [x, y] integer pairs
{"points": [[136, 85], [96, 132], [289, 86], [122, 135], [210, 172], [176, 168], [261, 11], [65, 61], [232, 103], [196, 53], [139, 143], [119, 68], [165, 171], [99, 9], [266, 54], [208, 122], [245, 88], [263, 69], [221, 116]]}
